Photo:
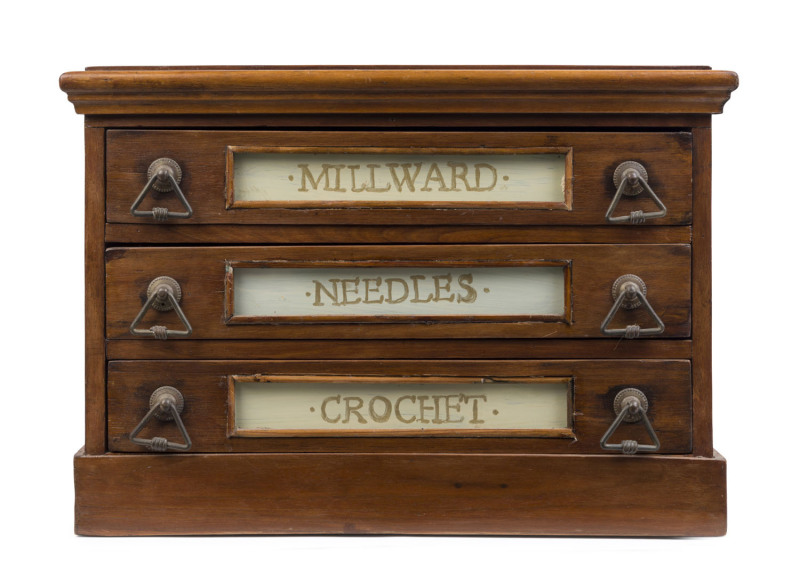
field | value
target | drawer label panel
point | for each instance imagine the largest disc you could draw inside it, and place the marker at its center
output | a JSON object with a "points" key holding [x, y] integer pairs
{"points": [[526, 178], [260, 293], [264, 405]]}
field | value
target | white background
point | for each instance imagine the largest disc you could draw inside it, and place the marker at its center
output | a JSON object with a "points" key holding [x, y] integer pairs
{"points": [[755, 254]]}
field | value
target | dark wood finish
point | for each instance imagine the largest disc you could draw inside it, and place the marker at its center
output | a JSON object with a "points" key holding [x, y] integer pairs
{"points": [[204, 386], [389, 234], [701, 295], [466, 485], [195, 494], [511, 122], [201, 273], [387, 349], [398, 90], [202, 156], [95, 292]]}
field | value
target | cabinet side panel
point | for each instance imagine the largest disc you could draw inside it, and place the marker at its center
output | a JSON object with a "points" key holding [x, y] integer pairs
{"points": [[95, 291], [701, 292]]}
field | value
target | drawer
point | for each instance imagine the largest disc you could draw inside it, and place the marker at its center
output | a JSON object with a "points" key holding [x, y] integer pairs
{"points": [[497, 291], [391, 178], [463, 406]]}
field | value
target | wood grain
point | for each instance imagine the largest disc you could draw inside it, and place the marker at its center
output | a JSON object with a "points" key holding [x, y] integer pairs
{"points": [[542, 348], [392, 234], [95, 383], [511, 122], [202, 157], [204, 385], [398, 90], [701, 295], [508, 485], [196, 494], [201, 273]]}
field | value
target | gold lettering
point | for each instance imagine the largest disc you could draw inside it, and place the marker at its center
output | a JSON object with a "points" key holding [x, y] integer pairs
{"points": [[478, 167], [475, 397], [323, 411], [368, 290], [372, 188], [416, 279], [423, 409], [402, 175], [334, 296], [436, 418], [407, 179], [397, 413], [460, 174], [464, 281], [305, 172], [337, 187], [353, 187], [389, 297], [438, 288], [387, 409], [448, 406], [434, 168], [345, 292], [348, 409]]}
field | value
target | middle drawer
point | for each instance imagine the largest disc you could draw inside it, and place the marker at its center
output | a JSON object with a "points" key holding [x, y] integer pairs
{"points": [[496, 291]]}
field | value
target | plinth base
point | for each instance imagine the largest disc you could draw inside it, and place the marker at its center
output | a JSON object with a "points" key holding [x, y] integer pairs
{"points": [[420, 494]]}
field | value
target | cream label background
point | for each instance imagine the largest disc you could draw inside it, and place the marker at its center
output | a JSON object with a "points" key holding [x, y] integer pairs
{"points": [[398, 178], [342, 407], [403, 291]]}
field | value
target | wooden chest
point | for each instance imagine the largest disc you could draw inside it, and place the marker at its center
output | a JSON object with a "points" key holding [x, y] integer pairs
{"points": [[399, 300]]}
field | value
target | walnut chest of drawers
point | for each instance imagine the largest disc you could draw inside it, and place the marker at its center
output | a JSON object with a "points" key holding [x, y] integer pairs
{"points": [[398, 300]]}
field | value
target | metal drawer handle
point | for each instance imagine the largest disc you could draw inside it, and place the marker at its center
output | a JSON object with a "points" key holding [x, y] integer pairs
{"points": [[166, 404], [164, 175], [163, 294], [629, 292], [630, 178], [630, 405]]}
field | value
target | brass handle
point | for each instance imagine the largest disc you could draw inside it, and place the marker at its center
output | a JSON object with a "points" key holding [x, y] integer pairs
{"points": [[166, 404], [630, 178], [631, 406], [163, 294], [629, 292], [164, 175]]}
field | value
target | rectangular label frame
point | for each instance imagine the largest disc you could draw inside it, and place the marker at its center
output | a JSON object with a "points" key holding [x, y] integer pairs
{"points": [[231, 319], [567, 186], [563, 433]]}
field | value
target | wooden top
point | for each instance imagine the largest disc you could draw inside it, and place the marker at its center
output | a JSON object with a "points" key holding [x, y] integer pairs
{"points": [[398, 90]]}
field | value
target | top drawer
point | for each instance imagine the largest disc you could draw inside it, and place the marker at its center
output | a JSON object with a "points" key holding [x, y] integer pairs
{"points": [[411, 178]]}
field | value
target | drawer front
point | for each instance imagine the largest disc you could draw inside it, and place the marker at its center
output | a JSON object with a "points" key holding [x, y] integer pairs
{"points": [[504, 291], [401, 406], [412, 178]]}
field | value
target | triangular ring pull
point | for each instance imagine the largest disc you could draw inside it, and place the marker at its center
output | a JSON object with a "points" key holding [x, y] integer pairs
{"points": [[163, 294], [166, 404], [631, 406], [164, 175], [629, 292], [630, 178]]}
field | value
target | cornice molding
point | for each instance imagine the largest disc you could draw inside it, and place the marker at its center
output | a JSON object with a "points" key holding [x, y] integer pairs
{"points": [[394, 90]]}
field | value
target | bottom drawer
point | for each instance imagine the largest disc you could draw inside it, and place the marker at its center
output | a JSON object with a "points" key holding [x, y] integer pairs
{"points": [[518, 406]]}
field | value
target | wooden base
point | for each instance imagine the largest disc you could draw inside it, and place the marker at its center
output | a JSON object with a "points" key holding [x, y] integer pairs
{"points": [[144, 494]]}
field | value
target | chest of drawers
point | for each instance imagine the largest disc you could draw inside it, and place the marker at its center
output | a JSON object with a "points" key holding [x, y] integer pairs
{"points": [[398, 300]]}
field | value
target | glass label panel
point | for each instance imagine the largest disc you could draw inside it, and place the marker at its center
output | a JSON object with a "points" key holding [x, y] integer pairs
{"points": [[265, 405], [394, 293], [280, 179]]}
